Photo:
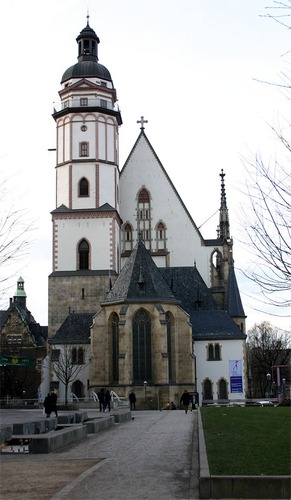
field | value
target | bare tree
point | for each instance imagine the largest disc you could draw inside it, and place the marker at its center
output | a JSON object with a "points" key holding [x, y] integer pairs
{"points": [[15, 234], [67, 361], [280, 11], [267, 224], [267, 215], [267, 347]]}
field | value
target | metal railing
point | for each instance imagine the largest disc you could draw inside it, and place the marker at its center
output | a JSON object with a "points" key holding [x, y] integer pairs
{"points": [[91, 102]]}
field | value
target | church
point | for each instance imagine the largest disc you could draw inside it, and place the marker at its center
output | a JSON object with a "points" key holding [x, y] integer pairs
{"points": [[133, 279]]}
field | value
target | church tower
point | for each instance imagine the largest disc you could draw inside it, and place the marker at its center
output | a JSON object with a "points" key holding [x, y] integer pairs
{"points": [[86, 221]]}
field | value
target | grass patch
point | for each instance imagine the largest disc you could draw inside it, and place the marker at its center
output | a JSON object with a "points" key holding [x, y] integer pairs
{"points": [[251, 441]]}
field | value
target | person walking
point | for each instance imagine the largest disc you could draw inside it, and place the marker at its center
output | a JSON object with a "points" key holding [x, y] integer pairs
{"points": [[107, 400], [132, 400], [101, 398], [48, 405], [54, 398], [185, 400]]}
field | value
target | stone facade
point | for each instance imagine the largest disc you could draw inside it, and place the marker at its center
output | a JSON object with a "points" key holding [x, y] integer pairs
{"points": [[179, 355], [70, 292]]}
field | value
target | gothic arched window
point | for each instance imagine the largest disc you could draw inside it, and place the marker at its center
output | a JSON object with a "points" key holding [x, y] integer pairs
{"points": [[83, 187], [78, 389], [207, 389], [142, 348], [114, 325], [169, 348], [161, 236], [144, 217], [222, 389], [83, 251], [216, 268]]}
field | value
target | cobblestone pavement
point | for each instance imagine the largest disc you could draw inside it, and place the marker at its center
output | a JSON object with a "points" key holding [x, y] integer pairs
{"points": [[153, 456]]}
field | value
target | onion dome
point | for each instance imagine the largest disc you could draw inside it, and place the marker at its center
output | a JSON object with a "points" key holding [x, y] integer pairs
{"points": [[87, 65]]}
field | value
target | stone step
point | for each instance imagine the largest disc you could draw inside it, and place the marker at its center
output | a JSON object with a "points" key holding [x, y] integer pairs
{"points": [[54, 440]]}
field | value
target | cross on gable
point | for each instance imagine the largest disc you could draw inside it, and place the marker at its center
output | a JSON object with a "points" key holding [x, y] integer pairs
{"points": [[142, 121]]}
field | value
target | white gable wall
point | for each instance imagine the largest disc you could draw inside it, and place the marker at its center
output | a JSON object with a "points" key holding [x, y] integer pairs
{"points": [[184, 242]]}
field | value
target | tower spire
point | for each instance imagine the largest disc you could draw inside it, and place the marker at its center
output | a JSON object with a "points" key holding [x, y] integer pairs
{"points": [[223, 212]]}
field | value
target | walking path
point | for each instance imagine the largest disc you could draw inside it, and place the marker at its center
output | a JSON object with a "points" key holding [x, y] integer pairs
{"points": [[153, 456]]}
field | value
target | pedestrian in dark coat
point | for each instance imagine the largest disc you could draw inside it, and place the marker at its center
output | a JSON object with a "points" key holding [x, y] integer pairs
{"points": [[54, 398], [107, 401], [48, 405], [101, 397], [132, 400], [185, 400]]}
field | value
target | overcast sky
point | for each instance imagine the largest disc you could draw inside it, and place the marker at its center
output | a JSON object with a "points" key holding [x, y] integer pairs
{"points": [[192, 67]]}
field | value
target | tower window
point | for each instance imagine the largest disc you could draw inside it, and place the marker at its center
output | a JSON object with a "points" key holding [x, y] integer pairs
{"points": [[84, 101], [83, 187], [103, 103], [84, 149], [127, 236], [128, 232], [161, 231], [86, 47], [84, 255]]}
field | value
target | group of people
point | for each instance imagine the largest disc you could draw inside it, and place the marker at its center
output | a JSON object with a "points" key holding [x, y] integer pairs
{"points": [[170, 406], [104, 400], [50, 404], [104, 397]]}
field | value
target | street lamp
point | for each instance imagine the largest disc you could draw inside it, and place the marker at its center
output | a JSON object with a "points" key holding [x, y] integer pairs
{"points": [[145, 388], [284, 388], [268, 387]]}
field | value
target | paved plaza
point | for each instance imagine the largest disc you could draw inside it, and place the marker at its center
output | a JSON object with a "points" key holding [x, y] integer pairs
{"points": [[153, 456]]}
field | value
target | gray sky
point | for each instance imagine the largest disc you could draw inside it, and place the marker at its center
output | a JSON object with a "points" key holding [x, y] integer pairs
{"points": [[189, 66]]}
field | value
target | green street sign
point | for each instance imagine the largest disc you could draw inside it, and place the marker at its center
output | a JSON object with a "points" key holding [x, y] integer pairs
{"points": [[16, 360]]}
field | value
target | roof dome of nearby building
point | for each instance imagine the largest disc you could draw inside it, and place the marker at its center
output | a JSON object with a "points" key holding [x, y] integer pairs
{"points": [[87, 65]]}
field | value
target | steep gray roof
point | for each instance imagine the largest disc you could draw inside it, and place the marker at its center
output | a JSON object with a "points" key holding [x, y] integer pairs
{"points": [[233, 303], [140, 280], [207, 319], [74, 330], [214, 325], [189, 288], [104, 208]]}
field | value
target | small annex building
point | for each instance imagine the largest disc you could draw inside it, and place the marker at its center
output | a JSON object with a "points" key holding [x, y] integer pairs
{"points": [[22, 350]]}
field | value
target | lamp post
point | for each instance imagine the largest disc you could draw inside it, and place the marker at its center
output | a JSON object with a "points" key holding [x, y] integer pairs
{"points": [[268, 386], [284, 388], [145, 389]]}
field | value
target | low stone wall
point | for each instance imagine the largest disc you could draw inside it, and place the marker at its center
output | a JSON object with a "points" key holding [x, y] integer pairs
{"points": [[99, 424], [46, 443], [39, 427], [50, 434], [122, 416], [258, 487]]}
